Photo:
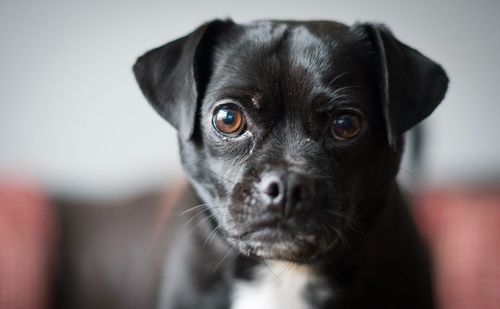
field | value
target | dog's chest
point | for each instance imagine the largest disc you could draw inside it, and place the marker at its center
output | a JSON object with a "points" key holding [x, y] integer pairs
{"points": [[280, 285]]}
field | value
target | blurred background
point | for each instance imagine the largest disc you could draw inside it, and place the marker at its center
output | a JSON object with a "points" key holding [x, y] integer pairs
{"points": [[72, 116], [73, 121]]}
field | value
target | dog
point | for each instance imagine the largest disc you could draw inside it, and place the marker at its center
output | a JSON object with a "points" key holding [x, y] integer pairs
{"points": [[291, 135]]}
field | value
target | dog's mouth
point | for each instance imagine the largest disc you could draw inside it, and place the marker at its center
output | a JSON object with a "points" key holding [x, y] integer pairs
{"points": [[281, 241]]}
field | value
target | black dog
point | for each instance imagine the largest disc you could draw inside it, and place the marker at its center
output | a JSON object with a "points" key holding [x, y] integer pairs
{"points": [[291, 135]]}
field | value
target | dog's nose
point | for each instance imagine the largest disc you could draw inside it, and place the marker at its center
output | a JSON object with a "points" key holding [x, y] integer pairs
{"points": [[287, 193]]}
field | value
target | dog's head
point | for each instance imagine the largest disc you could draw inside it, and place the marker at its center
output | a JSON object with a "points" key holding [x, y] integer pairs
{"points": [[287, 129]]}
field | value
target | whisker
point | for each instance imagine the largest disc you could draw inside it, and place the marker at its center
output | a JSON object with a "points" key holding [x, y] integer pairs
{"points": [[195, 216], [289, 268], [191, 209], [270, 270], [335, 93], [204, 206], [342, 238], [208, 219], [338, 77], [350, 221], [341, 96], [212, 234], [221, 177], [337, 214], [222, 260]]}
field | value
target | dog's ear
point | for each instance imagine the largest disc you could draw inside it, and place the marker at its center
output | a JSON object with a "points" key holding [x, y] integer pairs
{"points": [[173, 77], [411, 85]]}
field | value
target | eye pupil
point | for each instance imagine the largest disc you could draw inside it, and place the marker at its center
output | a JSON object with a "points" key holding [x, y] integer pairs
{"points": [[228, 116]]}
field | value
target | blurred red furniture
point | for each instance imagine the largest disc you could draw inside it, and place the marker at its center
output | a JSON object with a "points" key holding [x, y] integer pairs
{"points": [[26, 245], [462, 229]]}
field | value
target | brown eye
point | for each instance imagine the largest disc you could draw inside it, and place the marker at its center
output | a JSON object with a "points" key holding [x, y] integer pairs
{"points": [[346, 125], [229, 120]]}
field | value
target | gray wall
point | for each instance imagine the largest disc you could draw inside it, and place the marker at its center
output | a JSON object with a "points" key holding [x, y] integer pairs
{"points": [[72, 116]]}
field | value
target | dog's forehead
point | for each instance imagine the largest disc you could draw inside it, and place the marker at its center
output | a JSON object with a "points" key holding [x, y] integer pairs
{"points": [[269, 30], [284, 57], [278, 45]]}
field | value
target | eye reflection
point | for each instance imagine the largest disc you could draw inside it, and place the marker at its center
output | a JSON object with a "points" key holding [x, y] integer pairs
{"points": [[228, 120]]}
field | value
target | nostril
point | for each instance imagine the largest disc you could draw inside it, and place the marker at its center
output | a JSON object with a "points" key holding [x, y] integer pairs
{"points": [[273, 190]]}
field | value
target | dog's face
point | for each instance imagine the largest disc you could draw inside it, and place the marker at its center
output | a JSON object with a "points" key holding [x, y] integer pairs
{"points": [[288, 129]]}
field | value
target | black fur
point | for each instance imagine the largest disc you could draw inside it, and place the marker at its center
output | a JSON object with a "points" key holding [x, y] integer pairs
{"points": [[290, 78]]}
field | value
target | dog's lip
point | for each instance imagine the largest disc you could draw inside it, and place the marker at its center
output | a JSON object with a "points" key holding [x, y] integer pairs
{"points": [[277, 233], [263, 225], [272, 229], [270, 222], [279, 244]]}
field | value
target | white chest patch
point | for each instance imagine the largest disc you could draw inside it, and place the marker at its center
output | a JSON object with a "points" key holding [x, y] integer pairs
{"points": [[279, 285]]}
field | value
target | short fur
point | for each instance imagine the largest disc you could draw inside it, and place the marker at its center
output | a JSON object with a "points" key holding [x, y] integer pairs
{"points": [[352, 228]]}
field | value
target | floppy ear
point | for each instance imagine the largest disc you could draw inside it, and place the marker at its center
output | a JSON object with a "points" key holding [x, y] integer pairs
{"points": [[411, 85], [172, 79]]}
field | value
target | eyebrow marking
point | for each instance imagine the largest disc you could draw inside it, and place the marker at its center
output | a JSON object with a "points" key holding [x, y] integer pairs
{"points": [[256, 102]]}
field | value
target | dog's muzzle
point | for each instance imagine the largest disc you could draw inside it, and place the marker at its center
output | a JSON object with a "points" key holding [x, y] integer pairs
{"points": [[284, 216]]}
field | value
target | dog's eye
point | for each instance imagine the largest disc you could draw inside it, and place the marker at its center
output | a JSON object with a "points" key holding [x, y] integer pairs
{"points": [[346, 125], [229, 120]]}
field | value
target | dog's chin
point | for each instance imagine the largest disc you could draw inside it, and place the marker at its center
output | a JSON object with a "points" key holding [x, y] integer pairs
{"points": [[278, 244]]}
